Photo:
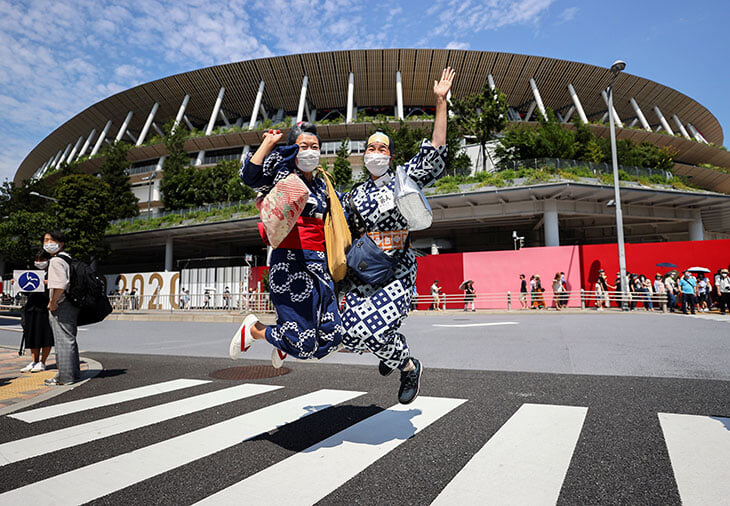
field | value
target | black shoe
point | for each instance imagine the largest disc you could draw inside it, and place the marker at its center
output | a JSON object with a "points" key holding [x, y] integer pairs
{"points": [[410, 383], [384, 370]]}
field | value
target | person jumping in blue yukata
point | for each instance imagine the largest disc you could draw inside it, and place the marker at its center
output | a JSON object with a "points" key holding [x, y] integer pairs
{"points": [[373, 313], [308, 324]]}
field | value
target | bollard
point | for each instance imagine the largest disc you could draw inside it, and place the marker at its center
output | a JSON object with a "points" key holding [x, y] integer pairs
{"points": [[509, 301], [664, 305], [582, 298]]}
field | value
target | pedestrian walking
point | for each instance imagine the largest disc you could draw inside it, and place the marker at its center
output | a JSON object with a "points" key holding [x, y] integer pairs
{"points": [[469, 295], [523, 292], [557, 291]]}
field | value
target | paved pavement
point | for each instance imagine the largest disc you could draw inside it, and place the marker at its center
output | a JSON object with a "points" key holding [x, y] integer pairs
{"points": [[519, 408]]}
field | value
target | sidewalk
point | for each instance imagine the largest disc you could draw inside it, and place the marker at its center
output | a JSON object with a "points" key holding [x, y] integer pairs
{"points": [[21, 389]]}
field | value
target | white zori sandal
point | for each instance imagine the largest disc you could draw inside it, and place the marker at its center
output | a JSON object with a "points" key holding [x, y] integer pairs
{"points": [[242, 339], [277, 358]]}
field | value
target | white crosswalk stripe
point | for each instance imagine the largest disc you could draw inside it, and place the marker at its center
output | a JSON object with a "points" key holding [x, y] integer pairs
{"points": [[339, 457], [78, 434], [99, 401], [102, 478], [533, 447], [699, 448], [525, 461]]}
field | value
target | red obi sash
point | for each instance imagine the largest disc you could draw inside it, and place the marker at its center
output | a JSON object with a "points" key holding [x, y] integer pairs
{"points": [[308, 233]]}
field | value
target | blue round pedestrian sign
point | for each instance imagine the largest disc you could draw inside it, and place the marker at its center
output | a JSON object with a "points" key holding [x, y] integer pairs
{"points": [[29, 281]]}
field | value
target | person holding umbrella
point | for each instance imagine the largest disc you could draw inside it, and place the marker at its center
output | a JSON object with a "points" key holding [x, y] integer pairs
{"points": [[469, 293]]}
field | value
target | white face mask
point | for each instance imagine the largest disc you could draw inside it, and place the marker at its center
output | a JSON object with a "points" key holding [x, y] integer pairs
{"points": [[376, 163], [308, 159], [51, 247], [41, 265]]}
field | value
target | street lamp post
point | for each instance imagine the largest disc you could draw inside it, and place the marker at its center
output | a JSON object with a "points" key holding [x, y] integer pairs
{"points": [[616, 68], [36, 194], [151, 179]]}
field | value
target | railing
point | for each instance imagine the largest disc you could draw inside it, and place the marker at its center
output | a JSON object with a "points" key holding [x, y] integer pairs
{"points": [[259, 302], [183, 212]]}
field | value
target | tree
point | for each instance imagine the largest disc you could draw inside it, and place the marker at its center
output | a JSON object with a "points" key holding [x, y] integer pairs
{"points": [[481, 116], [342, 171], [123, 203], [21, 235], [82, 212], [175, 184], [458, 163]]}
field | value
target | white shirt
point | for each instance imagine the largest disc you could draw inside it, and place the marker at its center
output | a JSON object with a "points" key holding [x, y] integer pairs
{"points": [[59, 273]]}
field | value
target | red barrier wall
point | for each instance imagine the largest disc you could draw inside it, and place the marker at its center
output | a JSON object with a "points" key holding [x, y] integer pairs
{"points": [[448, 269], [642, 258]]}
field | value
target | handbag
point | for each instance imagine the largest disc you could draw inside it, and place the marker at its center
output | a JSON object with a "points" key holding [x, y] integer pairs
{"points": [[281, 207], [337, 237], [367, 261], [411, 202]]}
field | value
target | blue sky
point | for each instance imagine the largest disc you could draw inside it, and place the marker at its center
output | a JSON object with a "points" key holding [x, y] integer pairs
{"points": [[58, 57]]}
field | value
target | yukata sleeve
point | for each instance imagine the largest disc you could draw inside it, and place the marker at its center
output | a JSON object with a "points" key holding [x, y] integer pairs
{"points": [[428, 165], [261, 177]]}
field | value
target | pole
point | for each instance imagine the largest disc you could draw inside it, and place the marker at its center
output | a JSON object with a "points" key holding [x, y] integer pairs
{"points": [[617, 198]]}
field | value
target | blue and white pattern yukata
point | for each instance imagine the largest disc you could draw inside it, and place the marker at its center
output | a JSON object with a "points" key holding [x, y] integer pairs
{"points": [[301, 289], [374, 313]]}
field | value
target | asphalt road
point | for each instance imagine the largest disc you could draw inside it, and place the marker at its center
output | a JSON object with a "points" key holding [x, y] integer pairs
{"points": [[570, 434]]}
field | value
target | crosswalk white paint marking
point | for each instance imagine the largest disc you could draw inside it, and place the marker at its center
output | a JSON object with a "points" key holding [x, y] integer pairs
{"points": [[35, 415], [78, 434], [96, 480], [336, 459], [699, 449], [525, 462], [462, 325]]}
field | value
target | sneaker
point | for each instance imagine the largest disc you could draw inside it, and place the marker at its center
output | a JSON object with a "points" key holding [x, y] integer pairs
{"points": [[242, 339], [277, 358], [410, 383], [53, 382], [38, 367], [29, 367], [384, 370]]}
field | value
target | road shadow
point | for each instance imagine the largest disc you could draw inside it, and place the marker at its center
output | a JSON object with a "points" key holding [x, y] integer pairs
{"points": [[111, 373]]}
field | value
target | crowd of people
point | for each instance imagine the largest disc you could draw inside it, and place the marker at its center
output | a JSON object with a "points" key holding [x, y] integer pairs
{"points": [[688, 292]]}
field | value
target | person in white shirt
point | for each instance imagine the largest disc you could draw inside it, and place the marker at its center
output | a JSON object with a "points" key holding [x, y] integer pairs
{"points": [[435, 291]]}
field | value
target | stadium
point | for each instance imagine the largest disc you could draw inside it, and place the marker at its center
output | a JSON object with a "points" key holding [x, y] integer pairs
{"points": [[229, 106]]}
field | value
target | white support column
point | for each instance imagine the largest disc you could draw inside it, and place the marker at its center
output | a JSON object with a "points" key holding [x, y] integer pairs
{"points": [[569, 114], [158, 129], [215, 111], [147, 124], [490, 80], [181, 112], [244, 152], [550, 223], [530, 110], [538, 98], [663, 121], [399, 94], [302, 99], [191, 127], [86, 144], [698, 136], [696, 228], [160, 163], [131, 136], [577, 104], [448, 104], [256, 106], [633, 122], [640, 115], [168, 254], [56, 158], [123, 129], [101, 138], [681, 127], [350, 97], [63, 156], [613, 109], [224, 118], [238, 122], [75, 149]]}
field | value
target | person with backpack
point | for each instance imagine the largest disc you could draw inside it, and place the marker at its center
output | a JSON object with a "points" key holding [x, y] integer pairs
{"points": [[62, 314]]}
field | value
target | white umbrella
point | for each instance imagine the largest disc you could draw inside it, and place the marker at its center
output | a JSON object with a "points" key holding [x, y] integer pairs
{"points": [[699, 269], [462, 286]]}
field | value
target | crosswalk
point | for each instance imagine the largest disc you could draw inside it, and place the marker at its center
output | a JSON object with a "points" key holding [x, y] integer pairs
{"points": [[524, 462]]}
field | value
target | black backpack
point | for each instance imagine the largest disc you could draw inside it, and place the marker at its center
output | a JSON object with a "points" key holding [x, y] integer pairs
{"points": [[86, 291]]}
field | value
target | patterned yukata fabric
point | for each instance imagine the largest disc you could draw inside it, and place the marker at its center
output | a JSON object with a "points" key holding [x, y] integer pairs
{"points": [[308, 323], [373, 313]]}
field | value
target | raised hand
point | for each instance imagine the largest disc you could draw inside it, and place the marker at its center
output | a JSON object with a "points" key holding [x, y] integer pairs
{"points": [[441, 88], [272, 137]]}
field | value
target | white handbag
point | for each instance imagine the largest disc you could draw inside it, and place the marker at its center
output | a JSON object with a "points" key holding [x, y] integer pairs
{"points": [[411, 202]]}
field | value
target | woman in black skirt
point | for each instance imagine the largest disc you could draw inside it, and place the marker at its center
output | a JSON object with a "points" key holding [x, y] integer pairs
{"points": [[37, 334]]}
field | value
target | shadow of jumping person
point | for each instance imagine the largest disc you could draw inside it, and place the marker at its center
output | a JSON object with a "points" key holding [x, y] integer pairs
{"points": [[317, 429]]}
